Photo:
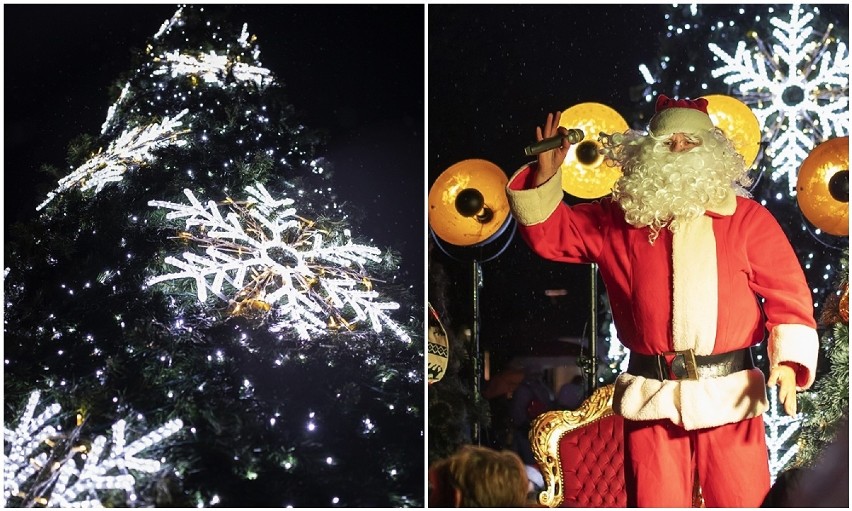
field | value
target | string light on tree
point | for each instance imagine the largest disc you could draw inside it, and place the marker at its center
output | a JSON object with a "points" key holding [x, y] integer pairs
{"points": [[277, 265], [797, 87]]}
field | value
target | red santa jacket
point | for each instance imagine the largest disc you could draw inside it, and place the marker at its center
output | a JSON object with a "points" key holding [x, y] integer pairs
{"points": [[698, 288]]}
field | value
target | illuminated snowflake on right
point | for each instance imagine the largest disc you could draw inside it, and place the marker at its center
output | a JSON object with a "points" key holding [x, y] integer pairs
{"points": [[797, 88]]}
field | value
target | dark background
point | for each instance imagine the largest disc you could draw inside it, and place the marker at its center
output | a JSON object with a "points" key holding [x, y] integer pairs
{"points": [[494, 74], [335, 62]]}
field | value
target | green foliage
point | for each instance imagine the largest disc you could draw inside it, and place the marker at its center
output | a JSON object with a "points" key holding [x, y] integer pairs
{"points": [[80, 149], [826, 406]]}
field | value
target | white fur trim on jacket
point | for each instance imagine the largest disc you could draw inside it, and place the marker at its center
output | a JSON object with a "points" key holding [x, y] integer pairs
{"points": [[795, 343], [695, 293], [535, 205], [692, 404]]}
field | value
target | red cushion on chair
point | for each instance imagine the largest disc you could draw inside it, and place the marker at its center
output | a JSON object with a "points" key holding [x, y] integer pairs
{"points": [[592, 460]]}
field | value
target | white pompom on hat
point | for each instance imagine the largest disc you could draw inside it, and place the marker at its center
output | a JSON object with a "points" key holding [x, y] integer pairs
{"points": [[679, 116]]}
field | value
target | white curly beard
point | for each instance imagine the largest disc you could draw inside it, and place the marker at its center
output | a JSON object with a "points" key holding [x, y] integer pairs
{"points": [[660, 188]]}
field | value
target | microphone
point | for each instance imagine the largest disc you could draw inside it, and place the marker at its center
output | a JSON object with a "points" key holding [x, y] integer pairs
{"points": [[574, 136]]}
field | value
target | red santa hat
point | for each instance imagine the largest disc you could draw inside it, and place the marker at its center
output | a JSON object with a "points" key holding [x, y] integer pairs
{"points": [[679, 116]]}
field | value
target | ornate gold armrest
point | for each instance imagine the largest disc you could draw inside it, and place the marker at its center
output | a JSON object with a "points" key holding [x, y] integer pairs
{"points": [[548, 428]]}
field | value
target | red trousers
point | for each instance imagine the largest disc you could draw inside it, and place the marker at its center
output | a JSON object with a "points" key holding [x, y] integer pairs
{"points": [[661, 459]]}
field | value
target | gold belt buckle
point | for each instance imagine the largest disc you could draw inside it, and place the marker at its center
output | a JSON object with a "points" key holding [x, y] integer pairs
{"points": [[689, 363]]}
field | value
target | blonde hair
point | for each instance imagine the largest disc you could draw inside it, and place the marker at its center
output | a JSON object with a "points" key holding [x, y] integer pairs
{"points": [[488, 478]]}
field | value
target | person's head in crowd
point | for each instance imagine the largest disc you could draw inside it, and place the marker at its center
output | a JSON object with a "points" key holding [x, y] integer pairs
{"points": [[481, 477], [441, 489]]}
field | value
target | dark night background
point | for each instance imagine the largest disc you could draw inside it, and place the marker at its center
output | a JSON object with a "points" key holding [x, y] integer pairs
{"points": [[353, 71], [494, 74]]}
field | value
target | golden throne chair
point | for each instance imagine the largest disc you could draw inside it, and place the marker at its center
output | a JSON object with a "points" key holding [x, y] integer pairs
{"points": [[581, 454]]}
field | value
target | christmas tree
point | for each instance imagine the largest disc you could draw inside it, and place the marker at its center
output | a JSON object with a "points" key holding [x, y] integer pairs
{"points": [[826, 407], [195, 275]]}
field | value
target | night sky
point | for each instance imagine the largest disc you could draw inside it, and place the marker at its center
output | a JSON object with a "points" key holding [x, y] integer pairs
{"points": [[494, 74], [355, 72]]}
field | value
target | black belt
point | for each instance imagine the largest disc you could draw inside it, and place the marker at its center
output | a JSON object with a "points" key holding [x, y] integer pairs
{"points": [[686, 365]]}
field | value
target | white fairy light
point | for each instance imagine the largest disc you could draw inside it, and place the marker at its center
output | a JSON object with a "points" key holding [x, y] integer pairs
{"points": [[646, 74], [68, 474], [274, 263], [132, 149], [797, 104]]}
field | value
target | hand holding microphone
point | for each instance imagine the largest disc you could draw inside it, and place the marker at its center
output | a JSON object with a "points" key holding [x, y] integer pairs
{"points": [[551, 147]]}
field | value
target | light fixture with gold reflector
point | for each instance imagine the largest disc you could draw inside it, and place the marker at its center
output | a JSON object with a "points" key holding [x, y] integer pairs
{"points": [[584, 173], [822, 188], [739, 124], [468, 204]]}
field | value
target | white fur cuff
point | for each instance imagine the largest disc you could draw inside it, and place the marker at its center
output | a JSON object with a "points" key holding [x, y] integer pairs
{"points": [[535, 205], [795, 343]]}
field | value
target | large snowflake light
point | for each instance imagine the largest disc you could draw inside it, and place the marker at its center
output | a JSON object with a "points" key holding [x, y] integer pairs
{"points": [[46, 468], [797, 88], [133, 148], [264, 260]]}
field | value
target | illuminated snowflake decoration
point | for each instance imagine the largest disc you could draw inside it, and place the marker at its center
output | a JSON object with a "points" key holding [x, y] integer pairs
{"points": [[46, 468], [781, 433], [265, 261], [134, 148], [797, 88]]}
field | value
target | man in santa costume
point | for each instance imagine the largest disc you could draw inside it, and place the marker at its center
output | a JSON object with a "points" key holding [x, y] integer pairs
{"points": [[696, 273]]}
